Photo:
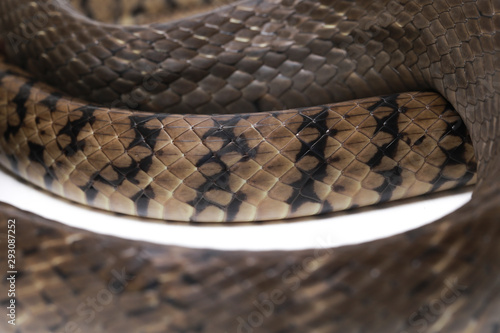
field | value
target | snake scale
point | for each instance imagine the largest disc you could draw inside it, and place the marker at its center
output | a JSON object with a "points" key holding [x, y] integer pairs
{"points": [[302, 156]]}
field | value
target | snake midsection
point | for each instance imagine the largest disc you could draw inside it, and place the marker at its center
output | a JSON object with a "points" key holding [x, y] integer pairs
{"points": [[249, 167], [243, 58]]}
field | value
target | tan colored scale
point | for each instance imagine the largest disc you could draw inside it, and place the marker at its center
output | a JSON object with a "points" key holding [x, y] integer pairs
{"points": [[255, 55], [261, 178]]}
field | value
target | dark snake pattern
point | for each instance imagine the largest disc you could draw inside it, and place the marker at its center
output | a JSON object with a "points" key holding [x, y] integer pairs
{"points": [[439, 278]]}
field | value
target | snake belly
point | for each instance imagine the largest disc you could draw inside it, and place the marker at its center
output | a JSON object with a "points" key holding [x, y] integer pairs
{"points": [[242, 59]]}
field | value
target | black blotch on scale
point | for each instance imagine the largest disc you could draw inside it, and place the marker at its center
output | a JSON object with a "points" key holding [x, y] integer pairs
{"points": [[128, 172], [73, 128], [89, 190], [338, 188], [51, 101], [419, 140], [145, 137], [388, 124], [142, 199], [440, 180], [327, 208], [456, 155], [220, 181], [303, 188], [20, 101], [36, 155], [392, 179]]}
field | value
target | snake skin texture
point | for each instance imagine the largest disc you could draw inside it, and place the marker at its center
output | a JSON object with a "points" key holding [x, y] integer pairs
{"points": [[443, 277], [246, 167], [234, 168]]}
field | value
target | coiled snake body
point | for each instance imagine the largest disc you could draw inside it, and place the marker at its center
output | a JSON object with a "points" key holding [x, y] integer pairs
{"points": [[248, 57]]}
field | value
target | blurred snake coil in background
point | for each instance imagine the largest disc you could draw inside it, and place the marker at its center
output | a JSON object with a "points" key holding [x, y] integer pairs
{"points": [[277, 148]]}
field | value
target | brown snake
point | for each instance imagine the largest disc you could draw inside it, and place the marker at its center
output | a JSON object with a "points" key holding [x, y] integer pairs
{"points": [[248, 57]]}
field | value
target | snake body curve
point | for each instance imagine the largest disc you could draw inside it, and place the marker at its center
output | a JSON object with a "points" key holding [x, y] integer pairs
{"points": [[445, 46]]}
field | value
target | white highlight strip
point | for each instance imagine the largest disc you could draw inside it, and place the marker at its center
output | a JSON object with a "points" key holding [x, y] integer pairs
{"points": [[329, 231]]}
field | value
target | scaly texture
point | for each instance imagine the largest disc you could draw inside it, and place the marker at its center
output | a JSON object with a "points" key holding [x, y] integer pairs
{"points": [[237, 167], [343, 50]]}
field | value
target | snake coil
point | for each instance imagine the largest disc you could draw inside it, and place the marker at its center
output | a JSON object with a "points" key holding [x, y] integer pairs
{"points": [[248, 164]]}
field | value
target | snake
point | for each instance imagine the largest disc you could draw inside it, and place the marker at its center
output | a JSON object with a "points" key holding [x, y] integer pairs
{"points": [[254, 111]]}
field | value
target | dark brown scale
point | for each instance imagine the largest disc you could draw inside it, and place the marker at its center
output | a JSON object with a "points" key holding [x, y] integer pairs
{"points": [[259, 55]]}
